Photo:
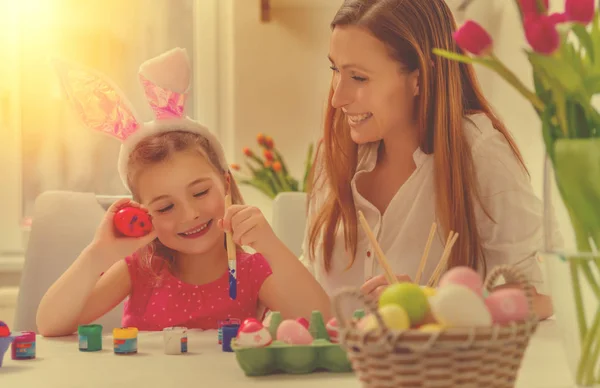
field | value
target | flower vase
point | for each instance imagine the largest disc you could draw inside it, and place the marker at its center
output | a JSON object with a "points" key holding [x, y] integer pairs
{"points": [[571, 262]]}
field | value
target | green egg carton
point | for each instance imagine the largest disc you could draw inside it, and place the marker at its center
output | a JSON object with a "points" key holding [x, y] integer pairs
{"points": [[280, 357]]}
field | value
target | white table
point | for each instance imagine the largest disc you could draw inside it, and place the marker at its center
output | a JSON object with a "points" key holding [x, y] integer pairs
{"points": [[60, 364]]}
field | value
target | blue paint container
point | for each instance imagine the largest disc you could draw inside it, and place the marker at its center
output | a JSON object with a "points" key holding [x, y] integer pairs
{"points": [[229, 333]]}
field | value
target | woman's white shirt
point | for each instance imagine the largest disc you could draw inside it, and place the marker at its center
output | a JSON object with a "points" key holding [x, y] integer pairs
{"points": [[513, 236]]}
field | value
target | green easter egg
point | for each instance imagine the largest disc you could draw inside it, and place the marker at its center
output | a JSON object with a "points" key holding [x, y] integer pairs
{"points": [[408, 296]]}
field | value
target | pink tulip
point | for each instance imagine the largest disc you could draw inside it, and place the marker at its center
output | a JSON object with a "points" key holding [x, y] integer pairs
{"points": [[530, 7], [581, 11], [541, 33], [473, 38]]}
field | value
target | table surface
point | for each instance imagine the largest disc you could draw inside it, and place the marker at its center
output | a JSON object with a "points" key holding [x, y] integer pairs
{"points": [[59, 363]]}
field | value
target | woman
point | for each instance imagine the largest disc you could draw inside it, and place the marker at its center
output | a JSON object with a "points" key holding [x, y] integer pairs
{"points": [[410, 140]]}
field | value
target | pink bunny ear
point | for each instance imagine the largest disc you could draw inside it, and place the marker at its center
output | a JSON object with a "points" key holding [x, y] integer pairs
{"points": [[98, 103], [166, 81]]}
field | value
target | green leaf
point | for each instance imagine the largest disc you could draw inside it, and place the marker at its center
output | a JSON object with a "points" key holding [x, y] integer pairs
{"points": [[459, 57], [585, 39], [593, 84], [577, 169], [559, 69]]}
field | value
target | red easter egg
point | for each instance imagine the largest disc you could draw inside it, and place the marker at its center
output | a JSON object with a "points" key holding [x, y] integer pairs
{"points": [[4, 330], [132, 222], [303, 322]]}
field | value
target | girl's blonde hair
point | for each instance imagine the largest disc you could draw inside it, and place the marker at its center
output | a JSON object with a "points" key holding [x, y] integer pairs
{"points": [[448, 91], [158, 148]]}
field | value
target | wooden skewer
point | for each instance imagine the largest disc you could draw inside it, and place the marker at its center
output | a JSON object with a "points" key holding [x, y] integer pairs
{"points": [[425, 253], [383, 262], [433, 280], [229, 238]]}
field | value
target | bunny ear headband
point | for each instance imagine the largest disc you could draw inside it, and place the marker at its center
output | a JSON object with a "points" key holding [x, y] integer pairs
{"points": [[103, 107]]}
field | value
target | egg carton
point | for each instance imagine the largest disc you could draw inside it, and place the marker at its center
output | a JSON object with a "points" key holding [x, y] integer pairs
{"points": [[281, 357]]}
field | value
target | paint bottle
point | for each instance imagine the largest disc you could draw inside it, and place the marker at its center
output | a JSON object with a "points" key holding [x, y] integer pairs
{"points": [[125, 340], [175, 339], [90, 338], [23, 346], [229, 333]]}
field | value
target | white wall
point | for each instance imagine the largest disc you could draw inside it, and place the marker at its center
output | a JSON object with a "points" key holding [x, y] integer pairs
{"points": [[273, 77]]}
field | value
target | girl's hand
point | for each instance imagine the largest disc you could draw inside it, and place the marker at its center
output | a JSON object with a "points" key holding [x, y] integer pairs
{"points": [[110, 244], [375, 286], [248, 226]]}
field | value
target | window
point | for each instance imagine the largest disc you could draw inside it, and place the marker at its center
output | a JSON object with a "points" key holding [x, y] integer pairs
{"points": [[45, 146]]}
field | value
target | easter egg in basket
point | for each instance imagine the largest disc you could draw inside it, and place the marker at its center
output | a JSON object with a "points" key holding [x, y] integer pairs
{"points": [[458, 306], [393, 316], [507, 305], [410, 297], [132, 222], [464, 276]]}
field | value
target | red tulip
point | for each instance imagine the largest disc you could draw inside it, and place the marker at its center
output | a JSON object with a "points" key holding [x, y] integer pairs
{"points": [[473, 38], [541, 34], [581, 11], [531, 7], [247, 151]]}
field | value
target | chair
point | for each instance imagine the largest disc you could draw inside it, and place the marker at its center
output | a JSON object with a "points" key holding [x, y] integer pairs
{"points": [[289, 219], [63, 224]]}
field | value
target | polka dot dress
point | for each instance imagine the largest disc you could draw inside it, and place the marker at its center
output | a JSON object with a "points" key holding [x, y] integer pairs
{"points": [[171, 302]]}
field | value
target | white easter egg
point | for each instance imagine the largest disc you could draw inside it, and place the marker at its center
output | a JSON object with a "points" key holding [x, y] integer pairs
{"points": [[256, 339], [458, 306]]}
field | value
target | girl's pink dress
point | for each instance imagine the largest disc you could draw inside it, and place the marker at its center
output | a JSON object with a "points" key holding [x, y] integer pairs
{"points": [[171, 302]]}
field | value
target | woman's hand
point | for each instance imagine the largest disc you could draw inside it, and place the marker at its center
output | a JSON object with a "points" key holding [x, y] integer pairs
{"points": [[109, 244], [248, 226], [375, 286]]}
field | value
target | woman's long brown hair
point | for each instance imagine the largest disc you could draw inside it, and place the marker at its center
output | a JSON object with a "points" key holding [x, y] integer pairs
{"points": [[448, 91]]}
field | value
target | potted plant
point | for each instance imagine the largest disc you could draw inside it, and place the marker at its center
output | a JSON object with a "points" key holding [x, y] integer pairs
{"points": [[564, 55]]}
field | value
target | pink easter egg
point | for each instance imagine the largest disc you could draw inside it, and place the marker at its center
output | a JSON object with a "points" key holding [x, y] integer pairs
{"points": [[293, 333], [464, 276], [507, 305], [332, 330]]}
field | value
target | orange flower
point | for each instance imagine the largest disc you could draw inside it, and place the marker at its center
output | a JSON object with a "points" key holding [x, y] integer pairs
{"points": [[260, 138], [268, 163], [247, 151], [269, 142], [268, 155], [235, 166], [277, 166]]}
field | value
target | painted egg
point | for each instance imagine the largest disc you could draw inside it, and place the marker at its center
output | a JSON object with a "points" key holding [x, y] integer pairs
{"points": [[252, 334], [293, 333], [463, 276], [431, 327], [132, 222], [458, 306], [409, 296], [428, 291], [4, 330], [393, 316], [506, 305], [303, 322], [332, 329]]}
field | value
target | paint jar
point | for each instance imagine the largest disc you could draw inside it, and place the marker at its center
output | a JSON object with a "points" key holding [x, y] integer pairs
{"points": [[229, 333], [223, 322], [90, 338], [175, 339], [23, 346], [125, 340]]}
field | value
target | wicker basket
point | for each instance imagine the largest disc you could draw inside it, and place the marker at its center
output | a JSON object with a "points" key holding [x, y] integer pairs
{"points": [[487, 357]]}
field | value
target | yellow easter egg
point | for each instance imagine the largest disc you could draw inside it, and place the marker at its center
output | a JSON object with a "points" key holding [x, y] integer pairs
{"points": [[393, 316], [431, 327], [428, 291]]}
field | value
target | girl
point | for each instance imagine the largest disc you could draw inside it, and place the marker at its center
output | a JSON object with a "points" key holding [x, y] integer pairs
{"points": [[410, 140], [178, 274]]}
